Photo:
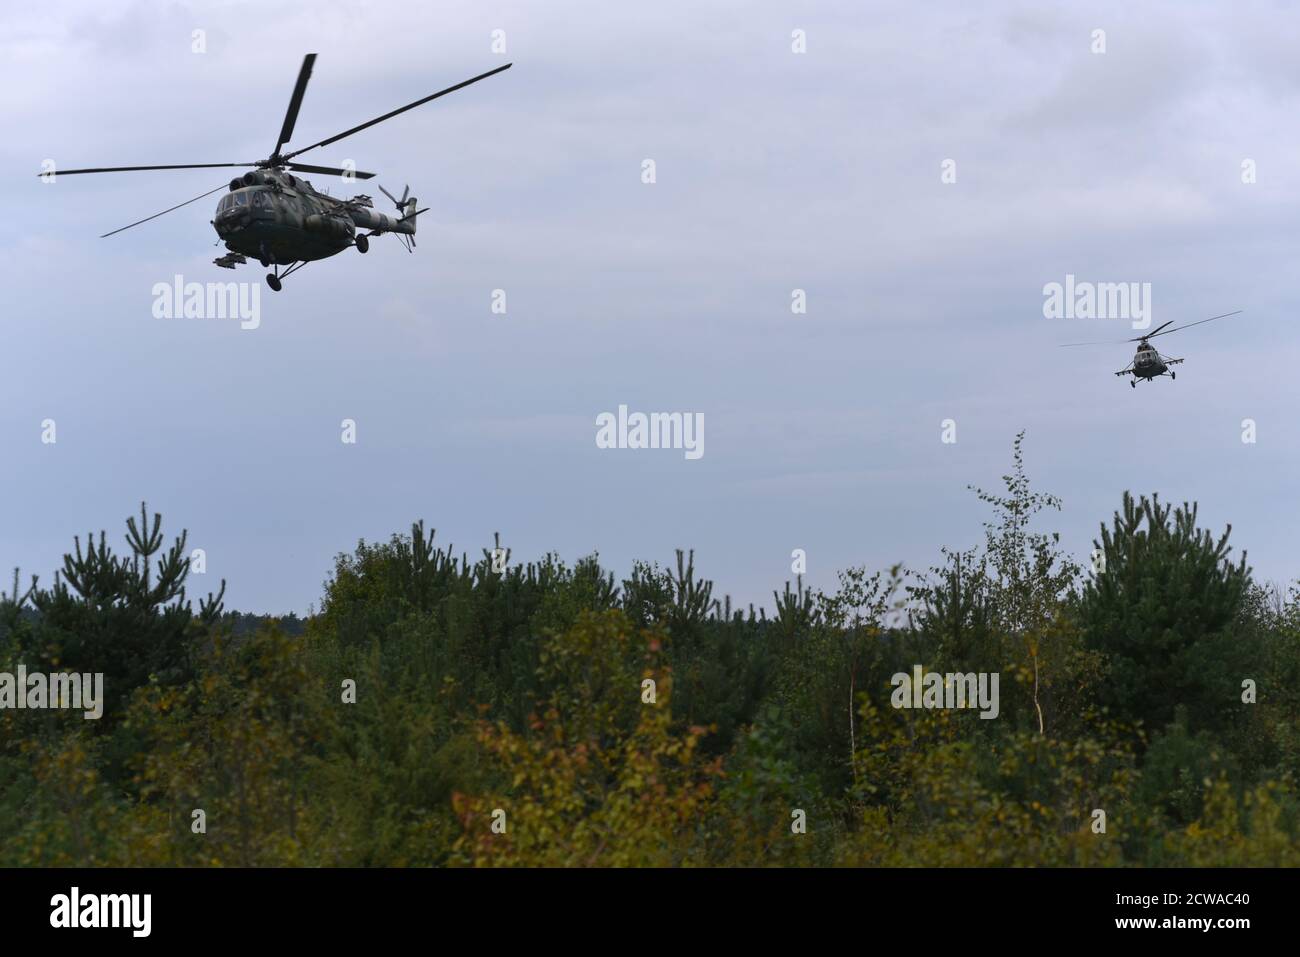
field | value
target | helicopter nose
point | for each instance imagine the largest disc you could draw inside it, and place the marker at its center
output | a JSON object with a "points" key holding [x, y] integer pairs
{"points": [[231, 221]]}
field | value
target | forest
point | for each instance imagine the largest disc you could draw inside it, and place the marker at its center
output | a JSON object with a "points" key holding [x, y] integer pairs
{"points": [[439, 709]]}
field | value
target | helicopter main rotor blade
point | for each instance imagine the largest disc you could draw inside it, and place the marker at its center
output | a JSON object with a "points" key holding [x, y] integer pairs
{"points": [[127, 169], [1197, 323], [295, 102], [177, 206], [1150, 335], [1098, 342], [1154, 332], [389, 116], [328, 170]]}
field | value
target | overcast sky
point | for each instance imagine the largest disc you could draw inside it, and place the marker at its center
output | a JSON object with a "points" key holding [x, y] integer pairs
{"points": [[775, 171]]}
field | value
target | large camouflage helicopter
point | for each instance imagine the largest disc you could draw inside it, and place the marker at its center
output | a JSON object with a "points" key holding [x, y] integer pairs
{"points": [[1147, 362], [281, 220]]}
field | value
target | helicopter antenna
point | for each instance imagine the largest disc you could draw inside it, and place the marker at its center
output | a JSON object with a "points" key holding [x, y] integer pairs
{"points": [[156, 215]]}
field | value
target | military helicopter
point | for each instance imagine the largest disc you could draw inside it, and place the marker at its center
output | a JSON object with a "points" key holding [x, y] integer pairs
{"points": [[1147, 362], [281, 220]]}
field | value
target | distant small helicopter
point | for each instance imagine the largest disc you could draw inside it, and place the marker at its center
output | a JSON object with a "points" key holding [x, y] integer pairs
{"points": [[281, 220], [1147, 362]]}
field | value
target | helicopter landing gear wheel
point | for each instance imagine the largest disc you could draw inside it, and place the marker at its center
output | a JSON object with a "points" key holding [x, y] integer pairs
{"points": [[1173, 375], [274, 279], [363, 244], [1133, 383]]}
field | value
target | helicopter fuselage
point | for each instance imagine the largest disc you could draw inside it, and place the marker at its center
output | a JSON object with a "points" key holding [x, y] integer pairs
{"points": [[279, 219], [1147, 363]]}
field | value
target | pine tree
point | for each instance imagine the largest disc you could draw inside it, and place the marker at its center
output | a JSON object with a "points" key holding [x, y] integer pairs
{"points": [[1162, 607], [126, 617]]}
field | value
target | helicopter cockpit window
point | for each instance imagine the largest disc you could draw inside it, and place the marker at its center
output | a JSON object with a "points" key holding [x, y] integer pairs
{"points": [[241, 199], [224, 204]]}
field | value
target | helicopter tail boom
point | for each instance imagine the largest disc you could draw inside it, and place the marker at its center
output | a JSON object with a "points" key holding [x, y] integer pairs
{"points": [[378, 222], [364, 216]]}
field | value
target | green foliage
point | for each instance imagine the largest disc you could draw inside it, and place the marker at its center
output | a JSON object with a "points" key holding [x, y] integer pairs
{"points": [[1164, 611], [645, 722], [600, 778], [1007, 608], [764, 784], [124, 616], [933, 796], [1178, 769], [246, 772]]}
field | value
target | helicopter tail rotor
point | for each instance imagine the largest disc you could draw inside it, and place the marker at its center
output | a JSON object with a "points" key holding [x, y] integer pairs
{"points": [[408, 206], [399, 203]]}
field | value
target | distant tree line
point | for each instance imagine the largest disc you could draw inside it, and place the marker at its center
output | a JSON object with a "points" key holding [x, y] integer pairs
{"points": [[447, 710]]}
